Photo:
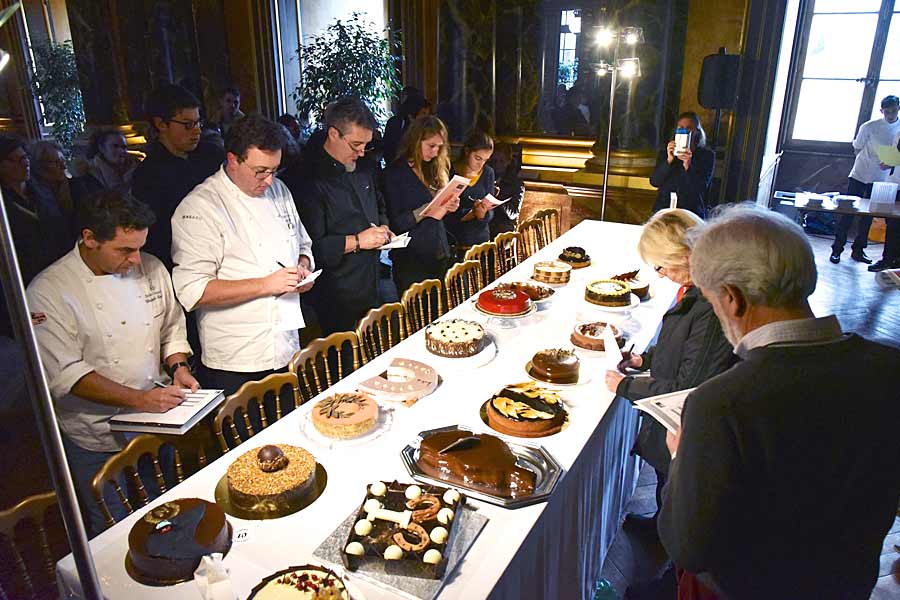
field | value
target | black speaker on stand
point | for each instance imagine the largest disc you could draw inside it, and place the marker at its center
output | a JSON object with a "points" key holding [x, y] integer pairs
{"points": [[718, 85]]}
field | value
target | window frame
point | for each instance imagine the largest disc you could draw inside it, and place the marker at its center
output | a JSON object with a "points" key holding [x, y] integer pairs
{"points": [[871, 80]]}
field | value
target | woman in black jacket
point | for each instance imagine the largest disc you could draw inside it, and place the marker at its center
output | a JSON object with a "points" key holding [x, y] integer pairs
{"points": [[420, 170], [688, 173], [690, 348], [470, 225]]}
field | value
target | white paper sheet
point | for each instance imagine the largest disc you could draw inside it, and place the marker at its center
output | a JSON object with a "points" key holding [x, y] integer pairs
{"points": [[309, 278], [665, 408], [611, 348], [399, 241]]}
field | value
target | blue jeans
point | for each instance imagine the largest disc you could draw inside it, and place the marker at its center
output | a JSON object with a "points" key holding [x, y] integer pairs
{"points": [[84, 464]]}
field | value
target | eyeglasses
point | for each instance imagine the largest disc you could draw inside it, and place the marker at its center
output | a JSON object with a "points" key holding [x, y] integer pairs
{"points": [[658, 268], [189, 125], [357, 146], [262, 173]]}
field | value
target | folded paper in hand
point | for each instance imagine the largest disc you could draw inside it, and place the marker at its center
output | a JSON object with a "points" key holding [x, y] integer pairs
{"points": [[611, 348], [399, 241], [448, 193], [309, 278], [889, 155], [665, 408], [494, 202]]}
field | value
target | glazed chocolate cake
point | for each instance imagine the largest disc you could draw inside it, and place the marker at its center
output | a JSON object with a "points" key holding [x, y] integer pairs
{"points": [[590, 335], [576, 257], [482, 462], [555, 366], [166, 546], [455, 338], [526, 410], [271, 478]]}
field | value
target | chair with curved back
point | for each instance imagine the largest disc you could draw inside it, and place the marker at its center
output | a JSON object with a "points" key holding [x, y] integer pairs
{"points": [[381, 329], [462, 281], [250, 409], [506, 243], [123, 473], [324, 362], [486, 254], [550, 219], [31, 573], [531, 238], [422, 304]]}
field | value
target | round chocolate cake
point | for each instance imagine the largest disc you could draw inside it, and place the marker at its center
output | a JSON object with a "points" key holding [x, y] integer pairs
{"points": [[555, 366], [590, 335], [526, 410], [167, 544], [608, 292], [575, 256], [271, 478]]}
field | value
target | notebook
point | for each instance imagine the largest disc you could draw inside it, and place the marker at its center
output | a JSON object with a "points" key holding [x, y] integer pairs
{"points": [[176, 421]]}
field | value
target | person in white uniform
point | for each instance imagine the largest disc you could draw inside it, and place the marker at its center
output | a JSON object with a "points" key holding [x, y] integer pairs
{"points": [[240, 252], [867, 169], [111, 330]]}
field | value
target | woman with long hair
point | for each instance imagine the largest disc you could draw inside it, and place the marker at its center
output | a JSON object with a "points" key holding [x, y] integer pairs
{"points": [[470, 225], [421, 169]]}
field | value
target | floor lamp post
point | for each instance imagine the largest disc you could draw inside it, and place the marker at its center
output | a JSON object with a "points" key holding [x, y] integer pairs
{"points": [[628, 68], [39, 391]]}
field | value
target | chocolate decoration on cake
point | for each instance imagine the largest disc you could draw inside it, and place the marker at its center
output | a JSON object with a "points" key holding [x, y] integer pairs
{"points": [[526, 410], [271, 459], [455, 338], [608, 292], [345, 416], [306, 582], [250, 488], [575, 256], [552, 271], [535, 292], [555, 365], [490, 466], [590, 335], [639, 287]]}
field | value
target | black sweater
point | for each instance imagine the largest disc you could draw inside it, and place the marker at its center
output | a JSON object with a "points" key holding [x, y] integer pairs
{"points": [[785, 481], [475, 231], [691, 185], [690, 349]]}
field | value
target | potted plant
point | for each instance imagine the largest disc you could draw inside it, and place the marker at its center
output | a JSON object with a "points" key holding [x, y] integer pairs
{"points": [[55, 83], [348, 58]]}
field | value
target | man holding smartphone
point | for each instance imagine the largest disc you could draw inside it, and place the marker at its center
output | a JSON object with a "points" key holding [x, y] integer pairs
{"points": [[687, 171]]}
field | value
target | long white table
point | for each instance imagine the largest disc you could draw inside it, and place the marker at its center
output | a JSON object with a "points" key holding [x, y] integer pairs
{"points": [[550, 550]]}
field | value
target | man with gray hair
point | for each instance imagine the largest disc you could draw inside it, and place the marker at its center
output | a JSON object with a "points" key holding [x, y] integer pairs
{"points": [[344, 212], [784, 475]]}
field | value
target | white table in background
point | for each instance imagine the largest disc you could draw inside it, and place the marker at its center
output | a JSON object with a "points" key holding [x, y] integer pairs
{"points": [[550, 550]]}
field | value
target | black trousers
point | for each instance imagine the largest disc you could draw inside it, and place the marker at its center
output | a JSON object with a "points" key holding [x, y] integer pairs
{"points": [[842, 226], [231, 381], [892, 240]]}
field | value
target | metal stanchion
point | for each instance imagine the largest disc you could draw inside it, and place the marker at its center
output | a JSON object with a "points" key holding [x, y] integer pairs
{"points": [[45, 415]]}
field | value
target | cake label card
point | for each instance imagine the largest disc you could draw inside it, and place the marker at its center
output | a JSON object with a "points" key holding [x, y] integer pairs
{"points": [[613, 353], [242, 535]]}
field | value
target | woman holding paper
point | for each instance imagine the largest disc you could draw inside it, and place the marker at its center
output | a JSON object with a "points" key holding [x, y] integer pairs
{"points": [[684, 167], [418, 175], [470, 224], [690, 348]]}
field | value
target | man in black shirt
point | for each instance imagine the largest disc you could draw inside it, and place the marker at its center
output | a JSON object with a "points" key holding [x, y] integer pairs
{"points": [[784, 475], [177, 161], [343, 211]]}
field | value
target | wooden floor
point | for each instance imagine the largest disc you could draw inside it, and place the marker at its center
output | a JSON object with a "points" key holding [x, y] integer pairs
{"points": [[846, 290]]}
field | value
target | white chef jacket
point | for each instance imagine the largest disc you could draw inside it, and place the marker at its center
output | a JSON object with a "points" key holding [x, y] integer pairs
{"points": [[877, 132], [122, 327], [218, 232]]}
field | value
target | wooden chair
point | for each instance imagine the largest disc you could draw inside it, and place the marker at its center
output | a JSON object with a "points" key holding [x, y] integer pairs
{"points": [[123, 467], [506, 243], [248, 405], [32, 571], [381, 329], [462, 281], [550, 219], [324, 362], [422, 304], [531, 238], [486, 255]]}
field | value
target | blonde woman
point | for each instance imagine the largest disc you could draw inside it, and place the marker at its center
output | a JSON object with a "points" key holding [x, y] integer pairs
{"points": [[690, 348], [421, 168]]}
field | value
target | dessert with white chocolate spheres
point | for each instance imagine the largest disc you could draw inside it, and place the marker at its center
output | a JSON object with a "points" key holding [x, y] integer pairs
{"points": [[407, 525]]}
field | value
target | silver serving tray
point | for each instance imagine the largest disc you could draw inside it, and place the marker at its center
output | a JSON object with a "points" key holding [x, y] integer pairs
{"points": [[533, 458]]}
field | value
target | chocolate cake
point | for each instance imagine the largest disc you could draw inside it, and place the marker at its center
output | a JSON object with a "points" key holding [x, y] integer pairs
{"points": [[554, 365], [535, 292], [306, 582], [481, 462], [576, 257], [526, 410], [590, 335], [271, 478], [552, 272], [455, 338], [639, 287], [406, 528], [608, 292], [167, 544]]}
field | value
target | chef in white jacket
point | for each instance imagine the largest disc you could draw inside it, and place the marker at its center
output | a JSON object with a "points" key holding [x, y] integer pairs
{"points": [[240, 252], [109, 330]]}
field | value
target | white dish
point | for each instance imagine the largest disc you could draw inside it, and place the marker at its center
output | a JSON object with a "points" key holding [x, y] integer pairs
{"points": [[385, 419], [469, 362]]}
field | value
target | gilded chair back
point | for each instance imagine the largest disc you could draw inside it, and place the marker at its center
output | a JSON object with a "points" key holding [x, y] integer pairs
{"points": [[549, 217], [506, 243], [247, 407], [324, 362], [486, 255], [531, 238], [23, 528], [381, 329], [461, 282], [422, 304]]}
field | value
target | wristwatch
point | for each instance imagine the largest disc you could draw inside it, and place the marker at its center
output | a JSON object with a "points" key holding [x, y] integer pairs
{"points": [[356, 237], [170, 369]]}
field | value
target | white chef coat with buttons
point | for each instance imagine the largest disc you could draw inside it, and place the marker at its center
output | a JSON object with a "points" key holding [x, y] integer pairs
{"points": [[122, 327], [218, 232]]}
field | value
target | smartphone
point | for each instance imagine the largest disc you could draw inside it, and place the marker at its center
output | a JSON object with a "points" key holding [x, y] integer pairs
{"points": [[682, 140]]}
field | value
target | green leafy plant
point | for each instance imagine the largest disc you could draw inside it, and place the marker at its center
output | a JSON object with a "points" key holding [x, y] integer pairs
{"points": [[55, 82], [349, 58]]}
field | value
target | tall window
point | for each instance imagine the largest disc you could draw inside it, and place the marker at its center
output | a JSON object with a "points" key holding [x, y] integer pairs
{"points": [[848, 60], [569, 31]]}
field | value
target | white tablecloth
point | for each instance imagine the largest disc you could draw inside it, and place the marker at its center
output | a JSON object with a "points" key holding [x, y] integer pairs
{"points": [[551, 550]]}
